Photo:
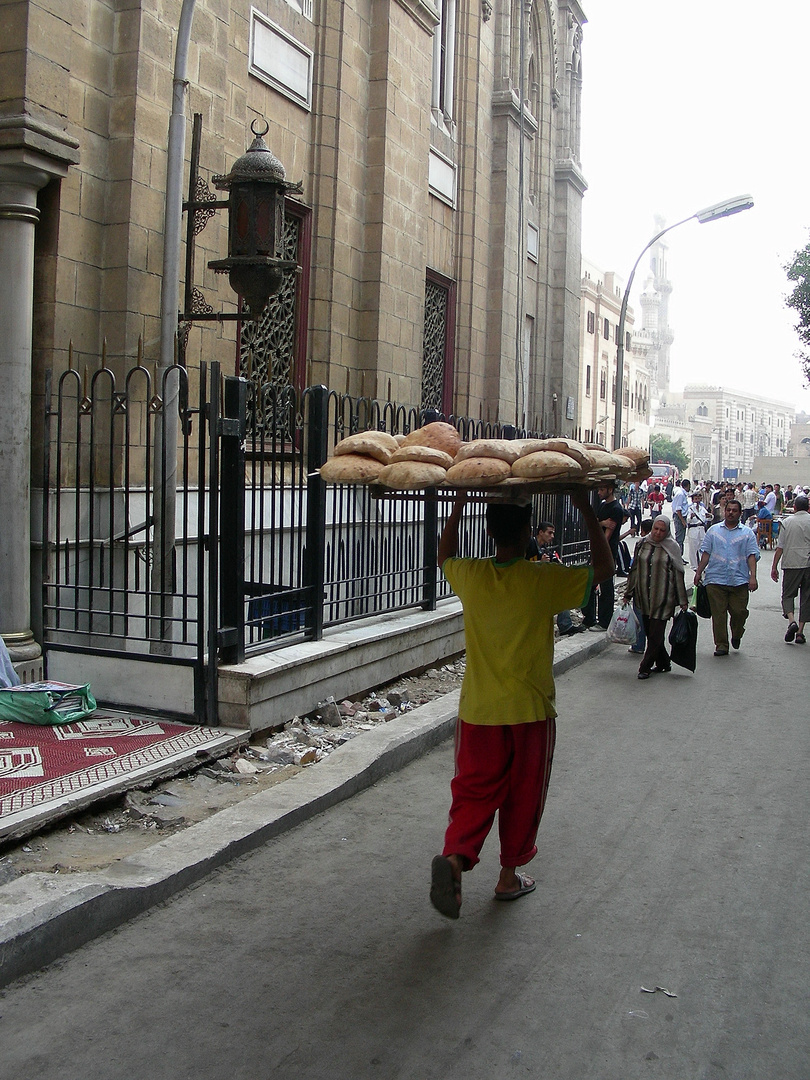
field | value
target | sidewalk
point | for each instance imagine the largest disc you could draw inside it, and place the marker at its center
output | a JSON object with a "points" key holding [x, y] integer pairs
{"points": [[44, 916]]}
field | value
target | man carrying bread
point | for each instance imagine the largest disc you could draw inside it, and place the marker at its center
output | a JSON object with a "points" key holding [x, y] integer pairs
{"points": [[506, 726]]}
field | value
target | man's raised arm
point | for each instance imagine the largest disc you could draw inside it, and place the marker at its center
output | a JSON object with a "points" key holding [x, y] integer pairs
{"points": [[602, 561], [448, 541]]}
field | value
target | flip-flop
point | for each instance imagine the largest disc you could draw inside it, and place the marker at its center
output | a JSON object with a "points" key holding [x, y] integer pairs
{"points": [[526, 886], [445, 890]]}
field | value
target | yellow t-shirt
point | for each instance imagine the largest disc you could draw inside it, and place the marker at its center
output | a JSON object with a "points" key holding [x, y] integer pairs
{"points": [[509, 613]]}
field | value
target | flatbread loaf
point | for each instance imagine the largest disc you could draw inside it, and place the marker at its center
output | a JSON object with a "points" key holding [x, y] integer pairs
{"points": [[635, 453], [600, 459], [570, 447], [426, 454], [351, 469], [411, 475], [643, 473], [376, 444], [504, 449], [439, 435], [545, 464], [478, 472]]}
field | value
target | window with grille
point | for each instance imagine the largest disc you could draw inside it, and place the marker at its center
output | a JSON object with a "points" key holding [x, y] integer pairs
{"points": [[272, 349], [437, 348], [591, 322]]}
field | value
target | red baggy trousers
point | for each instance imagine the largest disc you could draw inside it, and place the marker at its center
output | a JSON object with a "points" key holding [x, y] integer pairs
{"points": [[504, 768]]}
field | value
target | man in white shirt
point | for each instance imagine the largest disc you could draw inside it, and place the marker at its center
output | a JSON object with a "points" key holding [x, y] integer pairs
{"points": [[680, 509], [770, 498], [794, 551]]}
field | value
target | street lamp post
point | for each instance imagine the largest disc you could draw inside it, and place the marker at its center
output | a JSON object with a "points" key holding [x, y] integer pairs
{"points": [[711, 213]]}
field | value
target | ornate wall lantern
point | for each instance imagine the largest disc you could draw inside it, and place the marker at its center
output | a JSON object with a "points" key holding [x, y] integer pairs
{"points": [[256, 188]]}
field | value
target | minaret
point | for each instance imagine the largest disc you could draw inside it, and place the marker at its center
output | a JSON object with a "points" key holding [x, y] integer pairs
{"points": [[655, 315]]}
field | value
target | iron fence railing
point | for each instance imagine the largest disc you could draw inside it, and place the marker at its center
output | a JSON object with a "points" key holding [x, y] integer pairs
{"points": [[260, 552]]}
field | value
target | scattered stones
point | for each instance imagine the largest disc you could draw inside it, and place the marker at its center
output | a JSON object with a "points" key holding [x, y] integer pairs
{"points": [[307, 757], [7, 872], [165, 798], [330, 714], [279, 755]]}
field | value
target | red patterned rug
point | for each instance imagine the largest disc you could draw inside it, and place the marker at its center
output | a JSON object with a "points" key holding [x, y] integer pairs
{"points": [[50, 772]]}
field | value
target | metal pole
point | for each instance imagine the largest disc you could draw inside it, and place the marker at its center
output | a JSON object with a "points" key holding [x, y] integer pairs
{"points": [[164, 498], [617, 421]]}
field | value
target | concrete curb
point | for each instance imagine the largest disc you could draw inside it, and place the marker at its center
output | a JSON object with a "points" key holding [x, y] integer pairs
{"points": [[43, 917]]}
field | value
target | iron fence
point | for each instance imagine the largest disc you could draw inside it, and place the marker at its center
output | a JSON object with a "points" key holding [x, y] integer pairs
{"points": [[243, 548]]}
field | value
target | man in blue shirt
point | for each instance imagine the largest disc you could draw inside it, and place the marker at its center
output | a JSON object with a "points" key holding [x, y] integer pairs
{"points": [[729, 555]]}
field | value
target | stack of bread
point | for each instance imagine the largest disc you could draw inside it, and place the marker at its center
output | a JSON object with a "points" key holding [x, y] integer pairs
{"points": [[434, 456]]}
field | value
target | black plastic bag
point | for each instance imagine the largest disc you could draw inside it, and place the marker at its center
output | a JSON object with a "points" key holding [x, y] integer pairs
{"points": [[683, 640], [702, 606]]}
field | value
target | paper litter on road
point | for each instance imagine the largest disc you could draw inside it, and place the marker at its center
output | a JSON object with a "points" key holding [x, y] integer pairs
{"points": [[663, 990]]}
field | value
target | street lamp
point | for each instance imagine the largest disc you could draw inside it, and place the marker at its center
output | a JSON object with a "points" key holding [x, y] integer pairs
{"points": [[711, 213]]}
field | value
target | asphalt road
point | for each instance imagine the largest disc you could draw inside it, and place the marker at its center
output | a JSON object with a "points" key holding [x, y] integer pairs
{"points": [[673, 854]]}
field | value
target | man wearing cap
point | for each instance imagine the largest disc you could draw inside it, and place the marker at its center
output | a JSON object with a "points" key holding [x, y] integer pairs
{"points": [[698, 519]]}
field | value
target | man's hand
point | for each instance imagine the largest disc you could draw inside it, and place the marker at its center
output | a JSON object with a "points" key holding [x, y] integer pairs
{"points": [[774, 573], [753, 584]]}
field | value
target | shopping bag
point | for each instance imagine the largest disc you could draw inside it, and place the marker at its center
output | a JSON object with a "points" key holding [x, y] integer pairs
{"points": [[47, 703], [683, 640], [700, 602], [623, 628]]}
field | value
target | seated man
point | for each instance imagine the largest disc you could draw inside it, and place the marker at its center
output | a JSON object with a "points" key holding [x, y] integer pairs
{"points": [[541, 549]]}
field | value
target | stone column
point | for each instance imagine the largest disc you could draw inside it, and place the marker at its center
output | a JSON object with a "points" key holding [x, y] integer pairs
{"points": [[19, 184]]}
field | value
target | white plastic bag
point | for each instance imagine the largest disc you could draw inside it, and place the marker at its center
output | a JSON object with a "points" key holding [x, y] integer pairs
{"points": [[623, 629]]}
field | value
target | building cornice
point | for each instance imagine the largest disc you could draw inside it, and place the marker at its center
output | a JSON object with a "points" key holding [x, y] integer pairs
{"points": [[567, 171], [28, 139], [424, 12]]}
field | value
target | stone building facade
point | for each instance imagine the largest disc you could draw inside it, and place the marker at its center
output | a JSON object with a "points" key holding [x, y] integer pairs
{"points": [[745, 426], [437, 228], [601, 300]]}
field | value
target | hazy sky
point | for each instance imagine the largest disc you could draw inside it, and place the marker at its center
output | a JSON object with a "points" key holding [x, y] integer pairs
{"points": [[686, 103]]}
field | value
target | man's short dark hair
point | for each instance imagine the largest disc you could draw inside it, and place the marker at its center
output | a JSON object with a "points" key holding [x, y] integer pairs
{"points": [[645, 526], [734, 502], [506, 521], [801, 502], [542, 526], [686, 484]]}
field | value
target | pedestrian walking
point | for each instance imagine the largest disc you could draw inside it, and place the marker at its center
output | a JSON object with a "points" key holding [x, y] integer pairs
{"points": [[728, 556], [598, 611], [634, 507], [698, 519], [793, 550], [656, 587], [506, 728], [680, 508]]}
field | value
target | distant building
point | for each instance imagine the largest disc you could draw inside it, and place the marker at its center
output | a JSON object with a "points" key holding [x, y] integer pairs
{"points": [[746, 426], [601, 301]]}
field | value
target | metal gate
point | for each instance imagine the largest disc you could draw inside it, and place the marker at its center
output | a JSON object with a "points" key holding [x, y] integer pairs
{"points": [[129, 572]]}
